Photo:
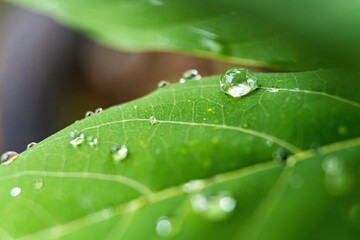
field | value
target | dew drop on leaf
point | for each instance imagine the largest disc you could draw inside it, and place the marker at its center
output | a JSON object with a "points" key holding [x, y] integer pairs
{"points": [[194, 186], [92, 141], [119, 153], [163, 84], [336, 178], [238, 82], [73, 134], [191, 74], [214, 208], [8, 157], [77, 141], [15, 191], [38, 183], [273, 90], [89, 114], [164, 226], [30, 145], [152, 120], [98, 110]]}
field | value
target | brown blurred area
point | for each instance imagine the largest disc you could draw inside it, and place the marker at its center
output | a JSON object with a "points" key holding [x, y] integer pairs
{"points": [[50, 76]]}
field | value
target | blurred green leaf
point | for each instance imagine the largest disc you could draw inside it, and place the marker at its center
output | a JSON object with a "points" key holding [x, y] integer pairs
{"points": [[236, 147], [278, 34]]}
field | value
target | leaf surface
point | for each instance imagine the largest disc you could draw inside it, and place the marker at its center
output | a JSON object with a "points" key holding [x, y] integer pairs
{"points": [[236, 146]]}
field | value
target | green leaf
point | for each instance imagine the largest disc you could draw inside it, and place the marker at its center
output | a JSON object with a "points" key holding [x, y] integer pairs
{"points": [[277, 34], [235, 146]]}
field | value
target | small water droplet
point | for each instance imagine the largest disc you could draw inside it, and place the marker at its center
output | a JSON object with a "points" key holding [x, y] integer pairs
{"points": [[8, 157], [342, 130], [89, 114], [272, 90], [152, 120], [98, 110], [163, 84], [92, 141], [38, 183], [214, 208], [164, 226], [73, 134], [238, 82], [191, 74], [245, 125], [281, 154], [296, 181], [77, 141], [119, 153], [338, 182], [15, 191], [269, 143], [354, 215], [135, 106], [30, 145], [194, 186]]}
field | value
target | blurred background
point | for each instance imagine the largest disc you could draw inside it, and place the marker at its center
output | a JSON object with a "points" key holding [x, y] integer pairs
{"points": [[50, 76]]}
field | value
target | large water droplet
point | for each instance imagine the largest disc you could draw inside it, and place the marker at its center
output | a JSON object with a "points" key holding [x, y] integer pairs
{"points": [[92, 141], [8, 157], [194, 186], [152, 120], [191, 74], [119, 153], [163, 84], [214, 208], [30, 145], [238, 82], [98, 110], [77, 141], [164, 226], [15, 191]]}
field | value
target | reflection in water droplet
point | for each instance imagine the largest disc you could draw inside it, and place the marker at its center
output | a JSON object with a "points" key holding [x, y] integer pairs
{"points": [[8, 157], [89, 114], [194, 186], [164, 226], [98, 110], [338, 182], [15, 191], [152, 120], [92, 141], [342, 130], [163, 84], [191, 74], [296, 181], [119, 153], [77, 141], [30, 145], [213, 208], [38, 183], [238, 82]]}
